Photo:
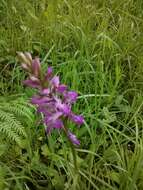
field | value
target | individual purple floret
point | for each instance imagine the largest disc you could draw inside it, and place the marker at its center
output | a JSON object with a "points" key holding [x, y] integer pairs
{"points": [[73, 138], [53, 100]]}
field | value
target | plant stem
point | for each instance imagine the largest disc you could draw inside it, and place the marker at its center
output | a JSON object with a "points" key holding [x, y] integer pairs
{"points": [[74, 156], [72, 148]]}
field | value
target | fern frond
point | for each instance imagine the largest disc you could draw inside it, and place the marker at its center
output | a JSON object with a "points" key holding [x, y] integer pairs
{"points": [[20, 111], [7, 131], [13, 115]]}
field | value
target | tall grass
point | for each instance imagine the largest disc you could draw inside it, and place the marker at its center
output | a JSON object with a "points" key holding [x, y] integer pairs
{"points": [[96, 48]]}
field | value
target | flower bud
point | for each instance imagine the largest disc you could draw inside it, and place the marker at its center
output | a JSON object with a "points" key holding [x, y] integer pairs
{"points": [[25, 67], [24, 58], [36, 67], [28, 56]]}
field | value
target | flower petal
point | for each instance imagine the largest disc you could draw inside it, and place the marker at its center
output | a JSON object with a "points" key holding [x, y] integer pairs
{"points": [[31, 83], [48, 74], [78, 119], [73, 138], [45, 92], [36, 67], [40, 100], [57, 124], [71, 96], [49, 71], [64, 108], [43, 109], [61, 88], [55, 81]]}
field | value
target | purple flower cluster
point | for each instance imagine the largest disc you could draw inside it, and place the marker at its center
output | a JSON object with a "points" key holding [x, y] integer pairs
{"points": [[53, 99]]}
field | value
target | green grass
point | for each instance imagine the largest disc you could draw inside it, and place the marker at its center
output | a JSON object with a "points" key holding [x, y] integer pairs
{"points": [[96, 48]]}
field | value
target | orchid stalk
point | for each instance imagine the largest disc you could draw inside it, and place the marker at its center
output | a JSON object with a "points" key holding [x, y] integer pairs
{"points": [[53, 99]]}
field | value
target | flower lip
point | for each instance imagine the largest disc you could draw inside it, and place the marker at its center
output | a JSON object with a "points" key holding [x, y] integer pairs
{"points": [[45, 92], [78, 119], [62, 88], [62, 107], [73, 138], [53, 121], [71, 96]]}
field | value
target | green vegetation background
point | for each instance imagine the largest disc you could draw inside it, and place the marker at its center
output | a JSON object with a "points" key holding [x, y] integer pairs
{"points": [[96, 46]]}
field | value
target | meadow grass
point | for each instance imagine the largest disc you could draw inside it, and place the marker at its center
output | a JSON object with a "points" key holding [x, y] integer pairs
{"points": [[96, 48]]}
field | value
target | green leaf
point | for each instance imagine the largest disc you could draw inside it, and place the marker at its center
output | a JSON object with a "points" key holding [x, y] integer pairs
{"points": [[45, 150], [115, 177], [3, 149]]}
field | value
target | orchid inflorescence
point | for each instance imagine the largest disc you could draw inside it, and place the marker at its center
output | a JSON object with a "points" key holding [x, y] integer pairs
{"points": [[53, 100]]}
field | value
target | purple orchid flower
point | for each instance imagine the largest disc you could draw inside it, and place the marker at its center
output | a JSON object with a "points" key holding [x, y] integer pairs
{"points": [[53, 100]]}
